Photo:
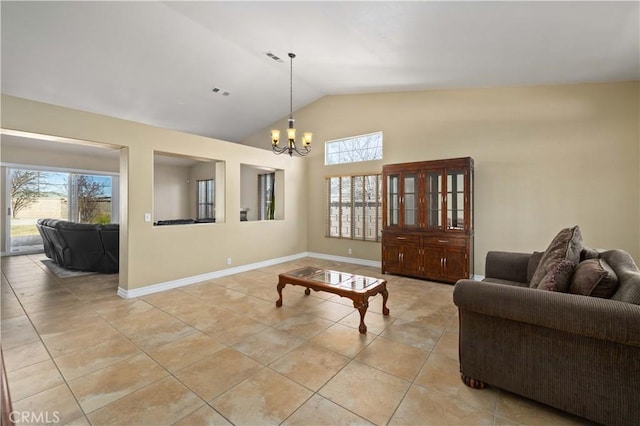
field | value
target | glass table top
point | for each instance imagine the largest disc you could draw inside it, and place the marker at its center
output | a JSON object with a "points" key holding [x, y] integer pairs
{"points": [[335, 278]]}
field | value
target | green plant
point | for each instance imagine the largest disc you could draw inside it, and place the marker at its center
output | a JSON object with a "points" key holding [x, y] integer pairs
{"points": [[103, 218], [23, 230], [271, 213]]}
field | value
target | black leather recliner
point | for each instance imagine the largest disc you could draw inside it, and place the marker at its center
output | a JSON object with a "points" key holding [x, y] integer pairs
{"points": [[110, 235], [49, 248], [81, 246]]}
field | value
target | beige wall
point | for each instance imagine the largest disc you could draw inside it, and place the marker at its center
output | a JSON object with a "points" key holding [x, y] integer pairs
{"points": [[170, 192], [249, 192], [63, 160], [151, 255], [545, 158]]}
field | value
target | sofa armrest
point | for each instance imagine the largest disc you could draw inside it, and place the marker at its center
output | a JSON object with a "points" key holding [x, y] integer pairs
{"points": [[581, 315], [507, 266]]}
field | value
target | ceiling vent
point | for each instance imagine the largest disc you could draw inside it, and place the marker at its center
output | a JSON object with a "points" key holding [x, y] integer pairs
{"points": [[220, 91], [274, 57]]}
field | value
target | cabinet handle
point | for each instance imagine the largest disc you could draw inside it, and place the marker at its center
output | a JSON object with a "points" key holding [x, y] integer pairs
{"points": [[401, 238], [445, 263], [441, 262], [443, 241]]}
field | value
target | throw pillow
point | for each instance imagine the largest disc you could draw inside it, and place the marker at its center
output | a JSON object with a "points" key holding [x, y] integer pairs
{"points": [[566, 245], [534, 260], [628, 275], [588, 253], [594, 277], [559, 277]]}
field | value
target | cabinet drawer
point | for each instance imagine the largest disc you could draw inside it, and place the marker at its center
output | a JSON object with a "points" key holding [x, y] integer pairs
{"points": [[401, 239], [445, 241]]}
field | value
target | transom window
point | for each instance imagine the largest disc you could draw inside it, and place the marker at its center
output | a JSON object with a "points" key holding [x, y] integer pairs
{"points": [[350, 150], [354, 207]]}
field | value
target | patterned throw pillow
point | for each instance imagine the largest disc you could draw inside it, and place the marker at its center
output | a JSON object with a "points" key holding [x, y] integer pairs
{"points": [[566, 245], [559, 277]]}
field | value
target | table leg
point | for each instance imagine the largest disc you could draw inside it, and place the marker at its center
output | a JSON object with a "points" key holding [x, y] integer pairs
{"points": [[279, 288], [361, 305], [307, 291], [385, 296]]}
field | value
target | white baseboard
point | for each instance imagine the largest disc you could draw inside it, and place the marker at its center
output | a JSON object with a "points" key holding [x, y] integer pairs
{"points": [[478, 277], [345, 259], [181, 282]]}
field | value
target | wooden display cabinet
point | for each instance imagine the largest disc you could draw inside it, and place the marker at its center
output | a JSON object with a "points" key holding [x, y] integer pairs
{"points": [[428, 219]]}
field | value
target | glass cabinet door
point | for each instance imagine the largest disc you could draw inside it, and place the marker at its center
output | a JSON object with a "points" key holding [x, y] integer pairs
{"points": [[434, 200], [393, 200], [410, 200], [455, 200]]}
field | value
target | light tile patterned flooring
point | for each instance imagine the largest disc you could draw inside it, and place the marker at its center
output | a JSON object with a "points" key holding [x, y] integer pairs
{"points": [[219, 352]]}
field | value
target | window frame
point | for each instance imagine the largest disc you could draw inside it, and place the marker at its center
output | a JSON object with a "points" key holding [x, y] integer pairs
{"points": [[9, 167], [334, 186], [357, 153]]}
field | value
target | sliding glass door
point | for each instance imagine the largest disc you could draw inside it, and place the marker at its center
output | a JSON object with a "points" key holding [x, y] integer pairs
{"points": [[91, 200], [36, 194]]}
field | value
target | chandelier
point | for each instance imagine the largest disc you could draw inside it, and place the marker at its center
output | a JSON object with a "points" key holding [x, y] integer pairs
{"points": [[291, 146]]}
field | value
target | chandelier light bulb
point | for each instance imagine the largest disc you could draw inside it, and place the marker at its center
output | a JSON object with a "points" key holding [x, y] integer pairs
{"points": [[275, 137]]}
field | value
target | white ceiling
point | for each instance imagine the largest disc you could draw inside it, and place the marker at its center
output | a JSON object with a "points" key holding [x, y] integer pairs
{"points": [[156, 62]]}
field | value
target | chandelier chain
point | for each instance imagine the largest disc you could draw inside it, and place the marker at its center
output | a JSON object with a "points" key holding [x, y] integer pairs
{"points": [[291, 86]]}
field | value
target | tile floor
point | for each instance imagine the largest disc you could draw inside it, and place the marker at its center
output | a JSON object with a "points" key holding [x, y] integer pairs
{"points": [[219, 352]]}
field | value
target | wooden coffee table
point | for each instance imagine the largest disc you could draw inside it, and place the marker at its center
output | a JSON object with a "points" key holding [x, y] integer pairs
{"points": [[356, 287]]}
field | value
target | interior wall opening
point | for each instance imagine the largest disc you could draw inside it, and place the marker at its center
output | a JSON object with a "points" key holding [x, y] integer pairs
{"points": [[187, 190]]}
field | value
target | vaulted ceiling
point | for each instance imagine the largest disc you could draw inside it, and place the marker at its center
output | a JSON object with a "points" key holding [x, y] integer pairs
{"points": [[157, 62]]}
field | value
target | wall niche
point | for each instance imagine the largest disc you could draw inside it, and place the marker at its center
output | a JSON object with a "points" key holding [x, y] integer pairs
{"points": [[187, 190], [261, 193]]}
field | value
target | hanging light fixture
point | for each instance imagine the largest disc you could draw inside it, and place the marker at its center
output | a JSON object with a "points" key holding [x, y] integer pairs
{"points": [[291, 146]]}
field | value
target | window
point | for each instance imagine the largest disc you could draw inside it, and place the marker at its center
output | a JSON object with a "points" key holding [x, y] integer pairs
{"points": [[354, 207], [205, 199], [77, 197], [266, 195], [357, 148]]}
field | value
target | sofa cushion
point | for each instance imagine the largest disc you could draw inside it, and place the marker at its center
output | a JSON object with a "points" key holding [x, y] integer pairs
{"points": [[559, 277], [594, 277], [566, 245]]}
